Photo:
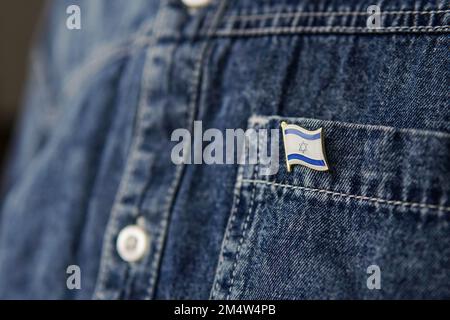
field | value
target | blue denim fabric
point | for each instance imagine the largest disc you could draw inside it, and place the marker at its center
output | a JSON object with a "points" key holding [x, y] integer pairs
{"points": [[92, 153]]}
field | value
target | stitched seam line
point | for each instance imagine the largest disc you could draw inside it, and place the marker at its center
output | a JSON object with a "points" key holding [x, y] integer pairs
{"points": [[237, 193], [106, 258], [241, 241], [289, 30], [263, 120], [352, 196], [326, 14], [194, 89], [244, 230]]}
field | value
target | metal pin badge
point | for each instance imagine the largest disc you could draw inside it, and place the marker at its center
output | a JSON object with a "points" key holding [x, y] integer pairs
{"points": [[304, 147]]}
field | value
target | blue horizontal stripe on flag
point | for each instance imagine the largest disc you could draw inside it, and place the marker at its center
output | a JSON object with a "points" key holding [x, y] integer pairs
{"points": [[314, 162], [302, 134]]}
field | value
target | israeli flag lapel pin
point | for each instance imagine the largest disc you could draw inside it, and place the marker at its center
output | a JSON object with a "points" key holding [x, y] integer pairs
{"points": [[304, 147]]}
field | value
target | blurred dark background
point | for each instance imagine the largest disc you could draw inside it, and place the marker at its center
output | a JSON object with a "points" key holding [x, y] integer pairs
{"points": [[18, 22]]}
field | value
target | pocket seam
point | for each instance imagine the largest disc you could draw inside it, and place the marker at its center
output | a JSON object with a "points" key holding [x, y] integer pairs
{"points": [[406, 204], [327, 29], [241, 242], [273, 15], [220, 274], [263, 120]]}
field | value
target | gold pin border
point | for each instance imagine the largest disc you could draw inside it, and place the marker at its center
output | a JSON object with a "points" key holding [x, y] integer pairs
{"points": [[283, 126]]}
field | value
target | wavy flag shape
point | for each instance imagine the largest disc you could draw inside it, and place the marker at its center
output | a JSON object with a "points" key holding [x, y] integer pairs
{"points": [[304, 147]]}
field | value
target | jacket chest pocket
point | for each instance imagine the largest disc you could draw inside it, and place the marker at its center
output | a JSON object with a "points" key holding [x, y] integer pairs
{"points": [[374, 226]]}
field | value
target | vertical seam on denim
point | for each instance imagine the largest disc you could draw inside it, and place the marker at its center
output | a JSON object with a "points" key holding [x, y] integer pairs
{"points": [[236, 201], [237, 193], [245, 226], [149, 160], [112, 226], [171, 194]]}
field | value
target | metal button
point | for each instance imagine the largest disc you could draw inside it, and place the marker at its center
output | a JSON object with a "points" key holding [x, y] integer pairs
{"points": [[196, 3], [132, 243]]}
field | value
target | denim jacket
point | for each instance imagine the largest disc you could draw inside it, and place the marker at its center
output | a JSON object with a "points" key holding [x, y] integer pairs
{"points": [[92, 154]]}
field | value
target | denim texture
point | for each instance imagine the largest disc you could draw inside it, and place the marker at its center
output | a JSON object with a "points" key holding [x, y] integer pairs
{"points": [[92, 152]]}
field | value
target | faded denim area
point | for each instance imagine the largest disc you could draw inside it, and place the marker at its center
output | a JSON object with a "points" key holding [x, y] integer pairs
{"points": [[92, 153]]}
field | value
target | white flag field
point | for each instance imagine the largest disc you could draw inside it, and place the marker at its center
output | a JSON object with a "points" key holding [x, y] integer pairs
{"points": [[304, 147]]}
